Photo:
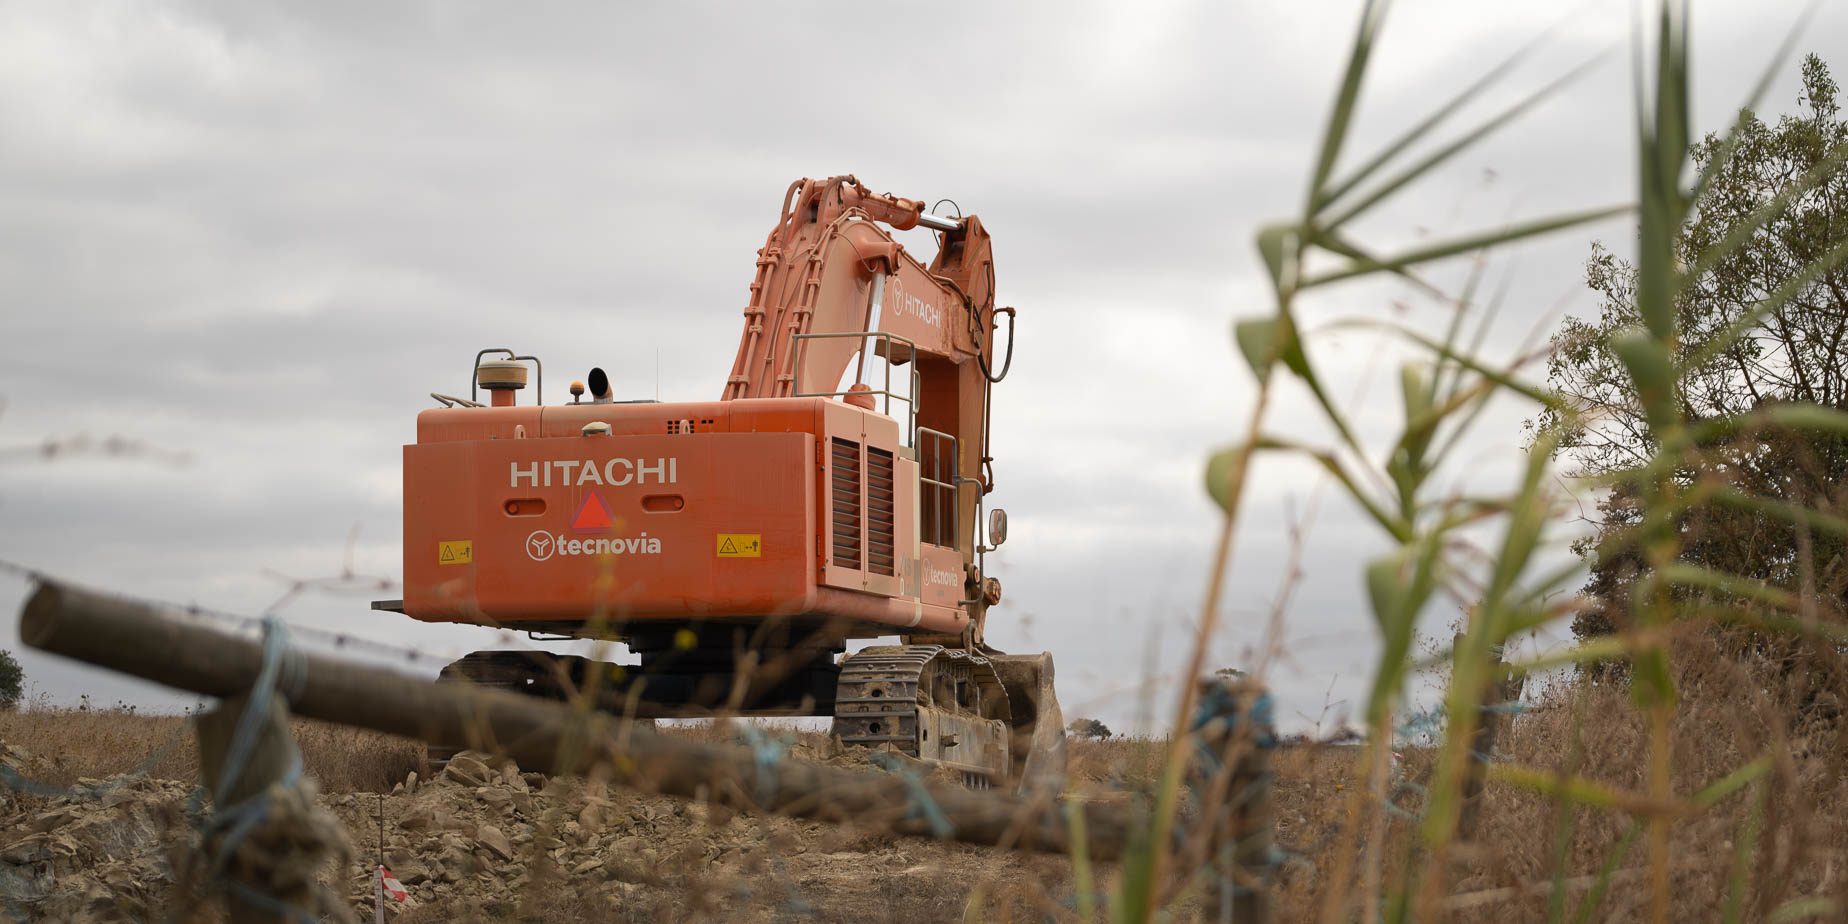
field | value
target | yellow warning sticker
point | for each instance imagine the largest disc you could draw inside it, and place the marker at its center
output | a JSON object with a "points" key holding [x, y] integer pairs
{"points": [[455, 552], [741, 545]]}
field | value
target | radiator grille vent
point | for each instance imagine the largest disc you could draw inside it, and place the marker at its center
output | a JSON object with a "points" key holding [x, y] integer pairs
{"points": [[846, 484], [880, 498]]}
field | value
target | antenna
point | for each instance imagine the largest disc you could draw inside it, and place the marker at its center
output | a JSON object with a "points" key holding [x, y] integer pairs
{"points": [[657, 373]]}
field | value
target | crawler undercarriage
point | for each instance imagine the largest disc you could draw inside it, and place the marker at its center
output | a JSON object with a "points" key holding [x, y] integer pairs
{"points": [[988, 716]]}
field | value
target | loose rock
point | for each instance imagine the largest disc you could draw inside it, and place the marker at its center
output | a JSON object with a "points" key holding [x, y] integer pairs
{"points": [[496, 842], [467, 770]]}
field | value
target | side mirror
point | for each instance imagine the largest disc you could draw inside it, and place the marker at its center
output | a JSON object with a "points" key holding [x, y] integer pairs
{"points": [[997, 527]]}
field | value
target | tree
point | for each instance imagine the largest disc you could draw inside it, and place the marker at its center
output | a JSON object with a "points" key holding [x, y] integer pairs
{"points": [[1798, 353], [12, 681], [1088, 728]]}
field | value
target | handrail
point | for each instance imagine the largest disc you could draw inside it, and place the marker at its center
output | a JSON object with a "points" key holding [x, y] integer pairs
{"points": [[474, 377], [911, 399], [937, 480], [452, 401], [982, 548]]}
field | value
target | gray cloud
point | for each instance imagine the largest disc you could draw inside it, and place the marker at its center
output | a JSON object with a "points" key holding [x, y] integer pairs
{"points": [[261, 233]]}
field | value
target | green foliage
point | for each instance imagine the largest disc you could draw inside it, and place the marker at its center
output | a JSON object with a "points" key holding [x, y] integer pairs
{"points": [[1088, 728], [1707, 398], [12, 680], [1771, 218]]}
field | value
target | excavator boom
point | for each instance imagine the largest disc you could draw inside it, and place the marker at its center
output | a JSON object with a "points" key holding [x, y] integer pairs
{"points": [[828, 267]]}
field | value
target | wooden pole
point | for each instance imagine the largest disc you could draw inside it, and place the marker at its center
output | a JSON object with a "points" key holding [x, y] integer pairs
{"points": [[269, 760], [378, 870], [274, 864], [1233, 790], [134, 638], [1494, 713]]}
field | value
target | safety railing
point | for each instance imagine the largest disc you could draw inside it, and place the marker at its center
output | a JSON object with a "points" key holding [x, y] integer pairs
{"points": [[910, 397], [939, 513], [982, 548], [474, 376]]}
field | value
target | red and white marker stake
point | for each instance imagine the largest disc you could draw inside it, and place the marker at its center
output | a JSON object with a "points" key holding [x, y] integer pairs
{"points": [[392, 887], [385, 885]]}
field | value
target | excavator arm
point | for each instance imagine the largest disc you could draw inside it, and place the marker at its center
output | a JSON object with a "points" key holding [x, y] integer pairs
{"points": [[828, 266]]}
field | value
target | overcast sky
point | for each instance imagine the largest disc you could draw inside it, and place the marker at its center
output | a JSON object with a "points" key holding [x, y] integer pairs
{"points": [[259, 234]]}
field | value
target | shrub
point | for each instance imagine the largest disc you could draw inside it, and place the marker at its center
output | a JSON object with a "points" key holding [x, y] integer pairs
{"points": [[12, 680]]}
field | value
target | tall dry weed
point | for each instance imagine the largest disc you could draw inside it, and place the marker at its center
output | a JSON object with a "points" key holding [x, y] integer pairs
{"points": [[1699, 780], [72, 744]]}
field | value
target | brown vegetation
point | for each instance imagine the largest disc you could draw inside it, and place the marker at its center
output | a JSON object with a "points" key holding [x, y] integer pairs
{"points": [[74, 743], [656, 857]]}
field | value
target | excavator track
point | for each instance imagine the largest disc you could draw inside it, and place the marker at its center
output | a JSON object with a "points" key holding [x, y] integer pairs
{"points": [[941, 706], [511, 671], [990, 717]]}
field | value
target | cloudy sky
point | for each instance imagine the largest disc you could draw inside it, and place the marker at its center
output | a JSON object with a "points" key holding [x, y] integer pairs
{"points": [[257, 235]]}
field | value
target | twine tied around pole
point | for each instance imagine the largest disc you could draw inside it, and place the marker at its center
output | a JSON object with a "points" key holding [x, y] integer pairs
{"points": [[265, 840], [1231, 781], [918, 801], [766, 752]]}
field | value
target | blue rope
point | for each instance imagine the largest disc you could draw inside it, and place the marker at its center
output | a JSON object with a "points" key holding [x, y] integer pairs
{"points": [[1422, 722], [12, 780], [239, 819], [272, 904], [1432, 721], [16, 909], [1219, 704], [793, 902], [280, 663], [918, 802], [766, 752], [256, 710]]}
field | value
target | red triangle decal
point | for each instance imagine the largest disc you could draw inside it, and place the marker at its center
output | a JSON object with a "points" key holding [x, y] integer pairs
{"points": [[592, 514]]}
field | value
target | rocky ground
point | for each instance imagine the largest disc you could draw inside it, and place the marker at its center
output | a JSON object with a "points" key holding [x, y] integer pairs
{"points": [[481, 841], [103, 857], [488, 842]]}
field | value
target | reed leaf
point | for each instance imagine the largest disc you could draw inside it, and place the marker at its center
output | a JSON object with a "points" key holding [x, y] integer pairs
{"points": [[1372, 17], [1456, 246], [1429, 123], [1443, 154]]}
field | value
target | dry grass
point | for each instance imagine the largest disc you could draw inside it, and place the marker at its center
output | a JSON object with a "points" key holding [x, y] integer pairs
{"points": [[87, 743], [1736, 708], [1115, 762], [1534, 857]]}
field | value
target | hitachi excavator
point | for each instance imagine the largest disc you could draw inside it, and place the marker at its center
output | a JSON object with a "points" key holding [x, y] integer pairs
{"points": [[834, 492]]}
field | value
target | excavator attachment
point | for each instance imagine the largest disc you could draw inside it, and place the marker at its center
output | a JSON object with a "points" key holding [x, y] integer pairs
{"points": [[943, 706], [1035, 722], [994, 718]]}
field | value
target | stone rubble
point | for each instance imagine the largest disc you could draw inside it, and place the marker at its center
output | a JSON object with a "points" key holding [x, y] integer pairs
{"points": [[102, 853], [474, 836]]}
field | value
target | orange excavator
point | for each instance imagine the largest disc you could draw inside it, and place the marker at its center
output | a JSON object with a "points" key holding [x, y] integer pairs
{"points": [[834, 492]]}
